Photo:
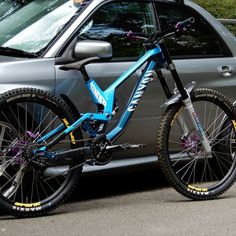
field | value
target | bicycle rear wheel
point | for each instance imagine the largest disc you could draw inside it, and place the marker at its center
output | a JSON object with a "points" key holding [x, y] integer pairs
{"points": [[191, 171], [32, 185]]}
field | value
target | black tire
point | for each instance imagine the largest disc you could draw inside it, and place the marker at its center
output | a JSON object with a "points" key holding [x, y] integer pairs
{"points": [[184, 163], [29, 185]]}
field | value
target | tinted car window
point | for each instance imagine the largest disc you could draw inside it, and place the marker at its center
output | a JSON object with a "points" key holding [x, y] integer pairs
{"points": [[112, 22], [201, 41]]}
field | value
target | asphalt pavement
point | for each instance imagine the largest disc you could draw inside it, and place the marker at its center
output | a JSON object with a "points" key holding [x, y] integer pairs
{"points": [[138, 203]]}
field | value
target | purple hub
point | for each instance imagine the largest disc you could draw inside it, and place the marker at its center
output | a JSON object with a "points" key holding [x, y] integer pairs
{"points": [[191, 142], [20, 146]]}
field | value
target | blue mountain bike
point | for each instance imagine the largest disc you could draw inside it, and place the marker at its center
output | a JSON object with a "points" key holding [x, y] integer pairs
{"points": [[42, 150]]}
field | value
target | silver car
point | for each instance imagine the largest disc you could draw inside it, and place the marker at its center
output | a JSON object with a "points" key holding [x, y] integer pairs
{"points": [[37, 37]]}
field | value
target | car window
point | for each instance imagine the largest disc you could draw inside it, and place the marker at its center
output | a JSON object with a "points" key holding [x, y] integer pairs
{"points": [[7, 8], [31, 27], [201, 41], [111, 23]]}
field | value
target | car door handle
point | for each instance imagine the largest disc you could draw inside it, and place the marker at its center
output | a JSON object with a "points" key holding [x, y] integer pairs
{"points": [[226, 71]]}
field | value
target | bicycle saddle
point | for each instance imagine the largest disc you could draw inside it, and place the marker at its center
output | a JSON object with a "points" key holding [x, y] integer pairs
{"points": [[78, 65]]}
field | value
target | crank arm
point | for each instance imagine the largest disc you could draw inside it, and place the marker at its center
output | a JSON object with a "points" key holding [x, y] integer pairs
{"points": [[124, 146]]}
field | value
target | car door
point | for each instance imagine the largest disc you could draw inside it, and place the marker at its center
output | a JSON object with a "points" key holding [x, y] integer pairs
{"points": [[200, 54], [110, 23]]}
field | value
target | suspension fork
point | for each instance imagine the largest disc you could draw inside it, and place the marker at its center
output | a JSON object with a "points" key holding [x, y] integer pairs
{"points": [[197, 124], [170, 96], [186, 99]]}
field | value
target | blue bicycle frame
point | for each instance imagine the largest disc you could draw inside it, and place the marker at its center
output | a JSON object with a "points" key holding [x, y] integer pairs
{"points": [[106, 98]]}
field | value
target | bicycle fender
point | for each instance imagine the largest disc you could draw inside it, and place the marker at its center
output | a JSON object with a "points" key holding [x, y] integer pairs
{"points": [[176, 97]]}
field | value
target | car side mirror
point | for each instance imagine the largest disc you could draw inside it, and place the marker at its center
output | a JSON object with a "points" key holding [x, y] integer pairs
{"points": [[93, 48]]}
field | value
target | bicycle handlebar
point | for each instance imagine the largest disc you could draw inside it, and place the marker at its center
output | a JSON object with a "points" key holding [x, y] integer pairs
{"points": [[180, 25], [133, 36]]}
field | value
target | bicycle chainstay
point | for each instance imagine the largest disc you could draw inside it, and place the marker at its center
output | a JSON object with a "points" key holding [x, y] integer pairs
{"points": [[97, 152]]}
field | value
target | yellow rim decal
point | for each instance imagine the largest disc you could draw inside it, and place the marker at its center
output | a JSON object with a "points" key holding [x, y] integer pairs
{"points": [[234, 124], [28, 205], [176, 116], [198, 189], [72, 137]]}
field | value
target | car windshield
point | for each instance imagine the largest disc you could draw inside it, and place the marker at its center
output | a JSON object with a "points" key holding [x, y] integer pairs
{"points": [[29, 26]]}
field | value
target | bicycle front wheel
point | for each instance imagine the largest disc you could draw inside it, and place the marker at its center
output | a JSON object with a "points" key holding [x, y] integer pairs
{"points": [[189, 169], [32, 185]]}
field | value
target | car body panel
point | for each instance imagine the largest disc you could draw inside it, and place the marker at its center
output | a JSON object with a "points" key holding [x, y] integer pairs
{"points": [[19, 73]]}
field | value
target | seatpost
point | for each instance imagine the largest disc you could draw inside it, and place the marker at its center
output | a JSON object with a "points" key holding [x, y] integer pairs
{"points": [[84, 73], [171, 67]]}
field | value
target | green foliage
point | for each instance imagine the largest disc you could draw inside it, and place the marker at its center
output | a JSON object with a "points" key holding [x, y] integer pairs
{"points": [[220, 9]]}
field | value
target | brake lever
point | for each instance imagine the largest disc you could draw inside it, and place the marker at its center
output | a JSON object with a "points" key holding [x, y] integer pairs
{"points": [[182, 26], [131, 35]]}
